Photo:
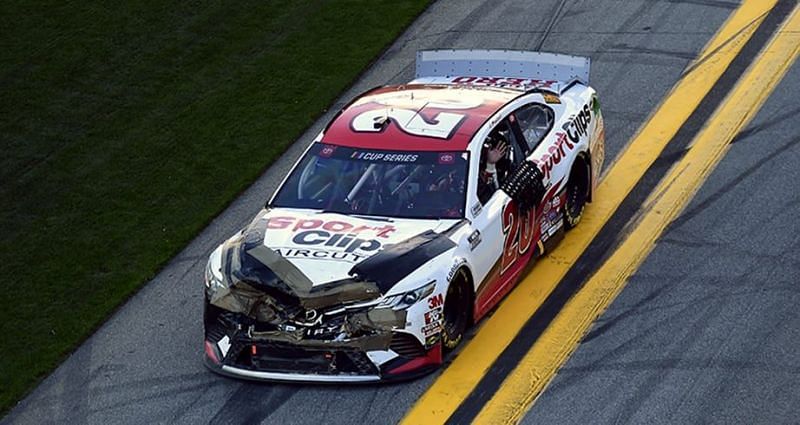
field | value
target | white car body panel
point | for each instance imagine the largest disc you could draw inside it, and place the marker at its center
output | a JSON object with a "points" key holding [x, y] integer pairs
{"points": [[326, 246]]}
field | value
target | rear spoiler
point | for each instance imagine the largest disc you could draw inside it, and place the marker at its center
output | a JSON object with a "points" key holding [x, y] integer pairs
{"points": [[502, 63]]}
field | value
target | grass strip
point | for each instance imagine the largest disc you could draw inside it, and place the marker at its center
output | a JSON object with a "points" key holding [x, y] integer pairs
{"points": [[125, 127]]}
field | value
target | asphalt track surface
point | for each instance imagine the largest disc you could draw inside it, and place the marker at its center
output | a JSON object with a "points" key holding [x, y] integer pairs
{"points": [[708, 329], [705, 331]]}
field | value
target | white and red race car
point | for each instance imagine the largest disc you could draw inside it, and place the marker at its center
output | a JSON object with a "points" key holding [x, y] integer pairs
{"points": [[406, 220]]}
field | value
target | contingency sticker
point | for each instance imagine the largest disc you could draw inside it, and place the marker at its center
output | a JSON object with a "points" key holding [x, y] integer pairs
{"points": [[224, 345], [551, 98]]}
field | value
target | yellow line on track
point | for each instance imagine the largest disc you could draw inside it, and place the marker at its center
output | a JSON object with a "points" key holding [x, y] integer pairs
{"points": [[460, 378], [560, 339]]}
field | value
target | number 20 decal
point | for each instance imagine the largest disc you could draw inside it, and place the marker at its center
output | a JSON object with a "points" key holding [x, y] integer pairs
{"points": [[518, 233]]}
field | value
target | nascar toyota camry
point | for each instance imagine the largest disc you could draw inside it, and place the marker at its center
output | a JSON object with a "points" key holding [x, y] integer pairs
{"points": [[406, 220]]}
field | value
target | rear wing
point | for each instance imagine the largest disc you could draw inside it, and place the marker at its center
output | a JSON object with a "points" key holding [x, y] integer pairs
{"points": [[502, 63]]}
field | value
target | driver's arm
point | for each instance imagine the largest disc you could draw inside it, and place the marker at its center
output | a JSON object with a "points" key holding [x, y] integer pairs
{"points": [[494, 155], [490, 176]]}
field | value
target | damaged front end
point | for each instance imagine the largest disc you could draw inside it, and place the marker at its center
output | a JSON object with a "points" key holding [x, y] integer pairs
{"points": [[265, 320]]}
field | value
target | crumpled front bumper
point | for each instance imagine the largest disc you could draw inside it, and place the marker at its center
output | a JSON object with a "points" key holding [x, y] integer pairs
{"points": [[237, 351], [294, 377], [274, 374], [260, 375]]}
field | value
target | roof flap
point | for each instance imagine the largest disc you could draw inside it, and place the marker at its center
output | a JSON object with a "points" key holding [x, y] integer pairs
{"points": [[502, 63]]}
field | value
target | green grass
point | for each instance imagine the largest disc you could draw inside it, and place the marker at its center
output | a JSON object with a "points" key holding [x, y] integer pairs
{"points": [[126, 126]]}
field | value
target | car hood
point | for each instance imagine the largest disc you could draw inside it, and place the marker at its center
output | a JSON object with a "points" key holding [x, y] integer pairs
{"points": [[326, 246], [320, 259]]}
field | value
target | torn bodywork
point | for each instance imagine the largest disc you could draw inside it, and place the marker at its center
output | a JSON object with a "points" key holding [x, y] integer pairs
{"points": [[261, 285], [264, 314]]}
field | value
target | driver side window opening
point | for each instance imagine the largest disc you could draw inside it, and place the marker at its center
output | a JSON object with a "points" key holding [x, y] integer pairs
{"points": [[535, 121], [501, 152]]}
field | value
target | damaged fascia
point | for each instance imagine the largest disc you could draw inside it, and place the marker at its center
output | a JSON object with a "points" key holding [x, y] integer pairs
{"points": [[239, 297]]}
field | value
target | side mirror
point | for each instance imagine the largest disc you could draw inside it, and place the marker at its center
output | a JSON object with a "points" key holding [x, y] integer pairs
{"points": [[525, 186]]}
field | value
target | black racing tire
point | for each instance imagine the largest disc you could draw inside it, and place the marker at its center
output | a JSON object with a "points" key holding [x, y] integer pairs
{"points": [[577, 193], [457, 311]]}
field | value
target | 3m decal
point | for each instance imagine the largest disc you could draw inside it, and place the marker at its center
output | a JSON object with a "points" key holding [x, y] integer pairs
{"points": [[435, 301]]}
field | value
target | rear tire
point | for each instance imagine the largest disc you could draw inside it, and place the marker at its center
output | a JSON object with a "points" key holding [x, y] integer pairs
{"points": [[457, 311], [577, 193]]}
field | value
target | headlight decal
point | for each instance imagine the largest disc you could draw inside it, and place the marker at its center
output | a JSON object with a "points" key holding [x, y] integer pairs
{"points": [[407, 299]]}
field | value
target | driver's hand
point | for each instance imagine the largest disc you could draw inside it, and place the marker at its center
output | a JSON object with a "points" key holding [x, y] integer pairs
{"points": [[497, 153]]}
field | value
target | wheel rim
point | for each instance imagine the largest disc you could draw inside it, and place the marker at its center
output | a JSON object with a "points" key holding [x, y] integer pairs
{"points": [[577, 194], [455, 311]]}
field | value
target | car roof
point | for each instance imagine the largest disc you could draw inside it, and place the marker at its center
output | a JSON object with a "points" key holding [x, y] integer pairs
{"points": [[409, 117]]}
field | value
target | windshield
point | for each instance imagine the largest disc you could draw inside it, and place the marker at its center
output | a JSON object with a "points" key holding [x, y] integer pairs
{"points": [[376, 182]]}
